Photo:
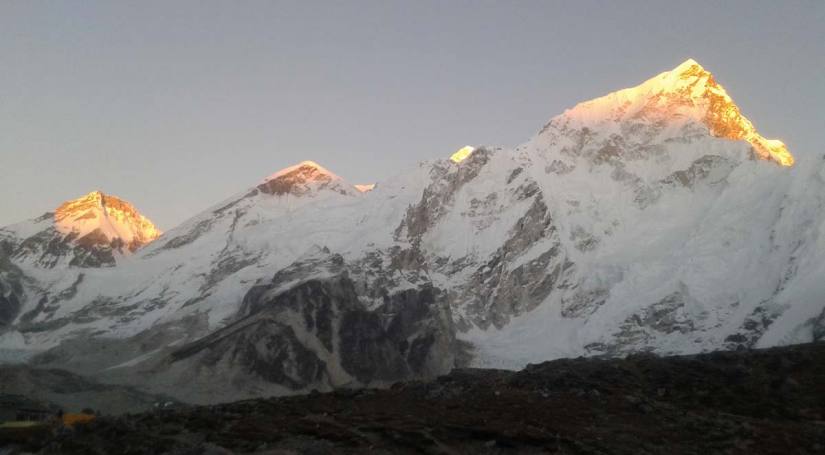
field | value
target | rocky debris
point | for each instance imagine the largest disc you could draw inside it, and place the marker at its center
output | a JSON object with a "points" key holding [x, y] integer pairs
{"points": [[72, 392], [123, 360], [752, 402]]}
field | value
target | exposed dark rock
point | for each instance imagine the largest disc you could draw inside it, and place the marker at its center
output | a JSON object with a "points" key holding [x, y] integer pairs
{"points": [[260, 346], [49, 247], [296, 181], [752, 328], [9, 304], [819, 327], [583, 302], [317, 333], [515, 173], [11, 287], [522, 288], [190, 236], [95, 250], [700, 169], [438, 196]]}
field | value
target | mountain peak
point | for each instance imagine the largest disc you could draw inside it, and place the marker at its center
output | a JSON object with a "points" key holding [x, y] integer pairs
{"points": [[96, 196], [689, 80], [462, 153], [106, 215], [314, 165], [365, 187], [687, 93], [301, 179], [308, 170], [688, 66]]}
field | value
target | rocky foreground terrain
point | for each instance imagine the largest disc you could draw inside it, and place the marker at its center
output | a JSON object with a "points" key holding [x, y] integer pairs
{"points": [[765, 401], [59, 389]]}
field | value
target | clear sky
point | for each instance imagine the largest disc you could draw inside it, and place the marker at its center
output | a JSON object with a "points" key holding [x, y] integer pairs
{"points": [[176, 105]]}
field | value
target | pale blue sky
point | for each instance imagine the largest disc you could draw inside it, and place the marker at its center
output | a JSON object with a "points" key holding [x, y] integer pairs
{"points": [[175, 105]]}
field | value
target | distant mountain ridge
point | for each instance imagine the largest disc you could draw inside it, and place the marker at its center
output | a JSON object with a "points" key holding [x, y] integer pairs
{"points": [[655, 218]]}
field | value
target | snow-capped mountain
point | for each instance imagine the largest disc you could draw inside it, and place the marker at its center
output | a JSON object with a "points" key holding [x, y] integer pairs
{"points": [[90, 231], [655, 218], [95, 230]]}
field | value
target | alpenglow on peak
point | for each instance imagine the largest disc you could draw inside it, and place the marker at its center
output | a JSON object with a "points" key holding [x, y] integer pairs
{"points": [[111, 216], [687, 92], [462, 153], [303, 178]]}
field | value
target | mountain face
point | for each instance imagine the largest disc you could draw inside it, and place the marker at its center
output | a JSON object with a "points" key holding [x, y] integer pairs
{"points": [[318, 334], [95, 230], [655, 218], [91, 231], [686, 95]]}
